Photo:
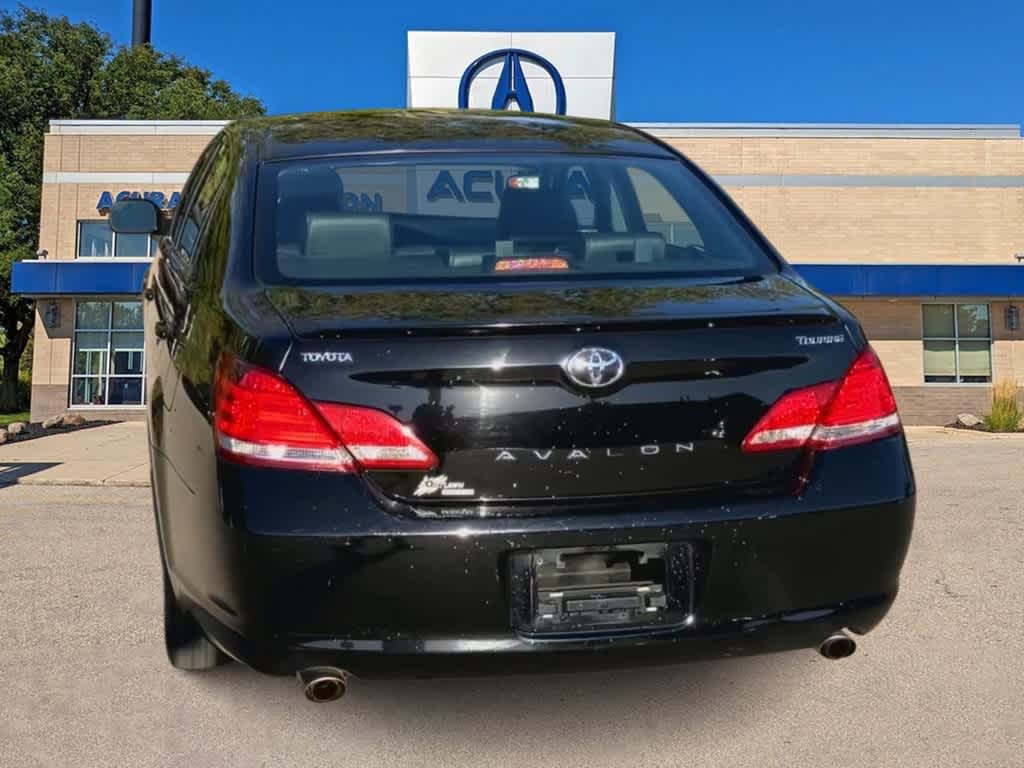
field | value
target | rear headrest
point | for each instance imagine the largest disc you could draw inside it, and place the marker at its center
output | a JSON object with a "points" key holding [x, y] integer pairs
{"points": [[535, 213], [302, 192], [641, 248], [348, 236], [309, 182]]}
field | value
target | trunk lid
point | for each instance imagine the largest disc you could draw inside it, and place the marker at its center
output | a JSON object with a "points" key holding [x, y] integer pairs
{"points": [[481, 376]]}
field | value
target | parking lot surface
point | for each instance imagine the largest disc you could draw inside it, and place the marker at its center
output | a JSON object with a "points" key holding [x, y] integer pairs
{"points": [[84, 681]]}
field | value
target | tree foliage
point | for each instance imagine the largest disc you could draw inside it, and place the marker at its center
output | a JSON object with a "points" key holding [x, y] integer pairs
{"points": [[143, 84], [52, 68]]}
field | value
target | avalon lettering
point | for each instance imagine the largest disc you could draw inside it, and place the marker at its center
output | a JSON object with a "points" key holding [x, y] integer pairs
{"points": [[583, 454]]}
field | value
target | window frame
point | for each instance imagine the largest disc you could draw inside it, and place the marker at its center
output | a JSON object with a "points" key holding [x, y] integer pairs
{"points": [[105, 377], [151, 241], [956, 339]]}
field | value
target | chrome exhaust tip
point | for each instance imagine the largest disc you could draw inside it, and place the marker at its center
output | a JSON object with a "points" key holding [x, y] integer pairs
{"points": [[323, 684], [838, 645]]}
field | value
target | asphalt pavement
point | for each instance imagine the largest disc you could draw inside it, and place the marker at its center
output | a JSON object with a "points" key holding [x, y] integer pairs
{"points": [[84, 681]]}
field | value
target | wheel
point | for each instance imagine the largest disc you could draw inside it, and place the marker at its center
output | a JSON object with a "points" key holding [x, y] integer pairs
{"points": [[187, 646]]}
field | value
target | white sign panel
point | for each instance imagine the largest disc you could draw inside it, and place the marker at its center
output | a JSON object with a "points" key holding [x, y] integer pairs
{"points": [[554, 72]]}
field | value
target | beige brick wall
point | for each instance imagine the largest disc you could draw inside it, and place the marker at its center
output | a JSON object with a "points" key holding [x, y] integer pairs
{"points": [[889, 225], [125, 154], [47, 400], [51, 360], [67, 225], [940, 405], [51, 348], [49, 216], [875, 224], [51, 152], [1007, 346], [895, 156], [71, 153]]}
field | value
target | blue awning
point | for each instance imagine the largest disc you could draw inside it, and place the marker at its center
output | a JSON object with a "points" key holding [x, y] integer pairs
{"points": [[113, 278], [891, 280], [78, 278]]}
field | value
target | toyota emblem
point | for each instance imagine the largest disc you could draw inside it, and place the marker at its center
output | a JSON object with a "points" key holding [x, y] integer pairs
{"points": [[594, 367]]}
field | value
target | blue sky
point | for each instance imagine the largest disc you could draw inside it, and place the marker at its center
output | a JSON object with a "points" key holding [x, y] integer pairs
{"points": [[827, 61]]}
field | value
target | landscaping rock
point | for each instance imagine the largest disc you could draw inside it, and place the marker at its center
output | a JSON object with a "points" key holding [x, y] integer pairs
{"points": [[53, 422], [967, 420], [17, 429], [3, 436], [72, 420]]}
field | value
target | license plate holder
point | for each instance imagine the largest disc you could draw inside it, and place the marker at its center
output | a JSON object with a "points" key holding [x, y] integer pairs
{"points": [[573, 590]]}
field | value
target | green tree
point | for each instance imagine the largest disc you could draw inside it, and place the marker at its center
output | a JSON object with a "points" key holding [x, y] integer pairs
{"points": [[51, 68]]}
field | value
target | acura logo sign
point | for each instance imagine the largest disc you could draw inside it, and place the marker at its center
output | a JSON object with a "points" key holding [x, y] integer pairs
{"points": [[594, 367], [512, 86]]}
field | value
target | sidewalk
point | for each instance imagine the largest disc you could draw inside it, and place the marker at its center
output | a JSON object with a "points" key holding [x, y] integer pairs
{"points": [[112, 454]]}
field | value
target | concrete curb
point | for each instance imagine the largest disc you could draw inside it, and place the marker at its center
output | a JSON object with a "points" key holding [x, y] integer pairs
{"points": [[72, 482], [956, 432]]}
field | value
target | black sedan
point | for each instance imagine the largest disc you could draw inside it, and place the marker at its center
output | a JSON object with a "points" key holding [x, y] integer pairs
{"points": [[439, 392]]}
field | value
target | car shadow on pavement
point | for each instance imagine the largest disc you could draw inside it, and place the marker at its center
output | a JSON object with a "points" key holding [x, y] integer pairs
{"points": [[655, 704], [13, 471]]}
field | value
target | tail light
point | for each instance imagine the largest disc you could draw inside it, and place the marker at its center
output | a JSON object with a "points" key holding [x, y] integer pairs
{"points": [[259, 418], [376, 439], [857, 409]]}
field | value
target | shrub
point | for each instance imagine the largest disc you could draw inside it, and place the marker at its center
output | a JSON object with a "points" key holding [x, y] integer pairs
{"points": [[1006, 413]]}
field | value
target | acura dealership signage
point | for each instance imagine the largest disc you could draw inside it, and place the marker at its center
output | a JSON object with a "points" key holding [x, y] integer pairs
{"points": [[162, 200], [561, 73], [445, 190], [512, 88]]}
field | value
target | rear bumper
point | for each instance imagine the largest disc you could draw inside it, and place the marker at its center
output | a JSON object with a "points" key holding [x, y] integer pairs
{"points": [[389, 594], [418, 656]]}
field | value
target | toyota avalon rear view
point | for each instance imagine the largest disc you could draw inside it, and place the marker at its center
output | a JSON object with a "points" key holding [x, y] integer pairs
{"points": [[438, 392]]}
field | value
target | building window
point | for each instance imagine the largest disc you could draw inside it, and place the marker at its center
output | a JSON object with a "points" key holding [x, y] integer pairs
{"points": [[957, 343], [97, 241], [109, 362]]}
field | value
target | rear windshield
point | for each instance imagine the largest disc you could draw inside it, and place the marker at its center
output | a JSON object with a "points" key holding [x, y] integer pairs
{"points": [[493, 217]]}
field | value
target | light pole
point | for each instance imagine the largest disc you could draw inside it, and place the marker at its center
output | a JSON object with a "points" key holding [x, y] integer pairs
{"points": [[142, 22]]}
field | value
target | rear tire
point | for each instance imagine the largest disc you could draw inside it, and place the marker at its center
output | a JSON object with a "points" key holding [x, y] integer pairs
{"points": [[187, 646]]}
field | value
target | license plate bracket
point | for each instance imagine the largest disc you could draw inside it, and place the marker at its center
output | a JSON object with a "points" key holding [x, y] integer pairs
{"points": [[573, 590]]}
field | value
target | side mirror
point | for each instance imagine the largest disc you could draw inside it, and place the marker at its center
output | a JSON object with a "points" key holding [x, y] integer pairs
{"points": [[135, 217]]}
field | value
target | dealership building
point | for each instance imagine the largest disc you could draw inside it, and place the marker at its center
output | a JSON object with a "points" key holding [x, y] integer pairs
{"points": [[917, 229]]}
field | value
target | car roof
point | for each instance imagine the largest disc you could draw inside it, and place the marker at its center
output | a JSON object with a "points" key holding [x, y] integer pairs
{"points": [[323, 134]]}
